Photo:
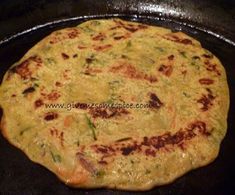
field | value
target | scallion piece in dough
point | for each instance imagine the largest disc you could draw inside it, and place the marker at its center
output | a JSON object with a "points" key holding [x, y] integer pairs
{"points": [[24, 130], [91, 126], [182, 53], [55, 157]]}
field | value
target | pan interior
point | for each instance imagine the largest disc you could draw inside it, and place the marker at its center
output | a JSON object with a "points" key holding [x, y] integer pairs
{"points": [[33, 178]]}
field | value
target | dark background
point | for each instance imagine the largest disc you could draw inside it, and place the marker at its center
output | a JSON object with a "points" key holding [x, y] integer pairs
{"points": [[19, 15], [24, 22]]}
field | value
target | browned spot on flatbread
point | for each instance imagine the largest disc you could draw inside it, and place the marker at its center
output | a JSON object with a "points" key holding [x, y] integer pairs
{"points": [[81, 47], [65, 56], [150, 152], [58, 84], [186, 41], [73, 33], [82, 106], [52, 96], [59, 36], [150, 146], [51, 116], [89, 60], [66, 74], [131, 72], [115, 27], [38, 103], [99, 37], [171, 57], [123, 139], [173, 37], [167, 67], [107, 112], [212, 67], [57, 134], [54, 131], [61, 137], [92, 71], [154, 101], [102, 112], [103, 162], [196, 58], [85, 163], [23, 69], [68, 121], [119, 37], [129, 27], [184, 72], [206, 100], [104, 149], [209, 56], [166, 70], [206, 81], [102, 47], [128, 150]]}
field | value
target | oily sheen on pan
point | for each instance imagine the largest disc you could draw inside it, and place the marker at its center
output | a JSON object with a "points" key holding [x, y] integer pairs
{"points": [[109, 62]]}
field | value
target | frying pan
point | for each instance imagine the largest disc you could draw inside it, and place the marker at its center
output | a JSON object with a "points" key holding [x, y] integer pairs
{"points": [[24, 22]]}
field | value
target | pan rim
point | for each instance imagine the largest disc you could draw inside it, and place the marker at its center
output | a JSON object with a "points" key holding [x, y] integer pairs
{"points": [[203, 29]]}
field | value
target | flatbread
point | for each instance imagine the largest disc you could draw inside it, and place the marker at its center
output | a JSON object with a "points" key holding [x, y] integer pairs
{"points": [[65, 104]]}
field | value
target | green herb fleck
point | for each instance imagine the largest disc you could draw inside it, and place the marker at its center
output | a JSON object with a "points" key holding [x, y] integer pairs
{"points": [[147, 61], [123, 139], [195, 62], [109, 101], [129, 44], [157, 166], [147, 171], [195, 65], [42, 145], [87, 29], [182, 53], [186, 95], [113, 85], [208, 53], [95, 23], [35, 85], [92, 127], [100, 173], [78, 143], [34, 79], [159, 49], [55, 157], [24, 130], [50, 60]]}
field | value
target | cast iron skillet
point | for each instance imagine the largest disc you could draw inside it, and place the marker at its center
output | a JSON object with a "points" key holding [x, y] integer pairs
{"points": [[24, 22]]}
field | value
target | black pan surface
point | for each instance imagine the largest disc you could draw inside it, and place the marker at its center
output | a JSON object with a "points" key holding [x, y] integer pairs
{"points": [[18, 175]]}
